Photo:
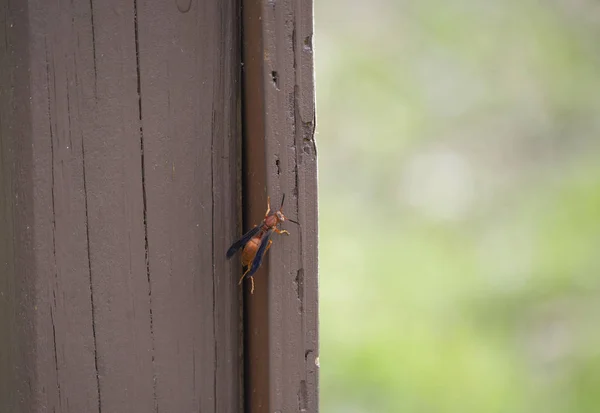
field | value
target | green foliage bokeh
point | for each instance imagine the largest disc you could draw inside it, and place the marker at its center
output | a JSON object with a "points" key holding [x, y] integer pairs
{"points": [[459, 173]]}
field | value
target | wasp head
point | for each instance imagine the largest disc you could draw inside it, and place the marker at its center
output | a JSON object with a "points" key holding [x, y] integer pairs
{"points": [[280, 216]]}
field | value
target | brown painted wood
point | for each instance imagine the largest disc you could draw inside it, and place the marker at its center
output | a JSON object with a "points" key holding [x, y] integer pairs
{"points": [[120, 160], [280, 157], [17, 258]]}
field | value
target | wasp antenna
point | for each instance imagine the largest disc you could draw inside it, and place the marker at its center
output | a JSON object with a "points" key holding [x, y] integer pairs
{"points": [[282, 200], [295, 222]]}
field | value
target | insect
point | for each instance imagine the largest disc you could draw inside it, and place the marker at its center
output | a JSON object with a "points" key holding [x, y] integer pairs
{"points": [[257, 241]]}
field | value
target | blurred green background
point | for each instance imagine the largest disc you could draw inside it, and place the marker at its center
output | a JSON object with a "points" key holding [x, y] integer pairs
{"points": [[459, 167]]}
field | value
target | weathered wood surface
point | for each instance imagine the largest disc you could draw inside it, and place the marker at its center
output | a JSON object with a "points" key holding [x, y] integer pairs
{"points": [[280, 157], [119, 162]]}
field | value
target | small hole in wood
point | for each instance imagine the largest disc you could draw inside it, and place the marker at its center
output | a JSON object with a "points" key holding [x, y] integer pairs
{"points": [[308, 43]]}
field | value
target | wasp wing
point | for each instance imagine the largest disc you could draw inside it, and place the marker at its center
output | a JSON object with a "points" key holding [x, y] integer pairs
{"points": [[242, 241], [264, 241]]}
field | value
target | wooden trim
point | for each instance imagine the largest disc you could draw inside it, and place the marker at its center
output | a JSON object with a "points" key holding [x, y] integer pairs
{"points": [[280, 157]]}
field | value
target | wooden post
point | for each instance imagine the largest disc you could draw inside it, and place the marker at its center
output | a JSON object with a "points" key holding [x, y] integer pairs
{"points": [[121, 171], [280, 157], [120, 148]]}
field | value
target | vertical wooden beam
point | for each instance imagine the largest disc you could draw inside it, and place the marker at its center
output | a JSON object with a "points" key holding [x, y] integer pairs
{"points": [[189, 61], [280, 157], [17, 258], [119, 155]]}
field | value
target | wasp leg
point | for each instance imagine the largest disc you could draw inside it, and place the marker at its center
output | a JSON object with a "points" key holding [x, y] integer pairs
{"points": [[281, 231], [244, 274], [251, 280], [268, 205]]}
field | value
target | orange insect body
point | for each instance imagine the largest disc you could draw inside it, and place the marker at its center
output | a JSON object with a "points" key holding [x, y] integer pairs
{"points": [[249, 251], [271, 221], [257, 242]]}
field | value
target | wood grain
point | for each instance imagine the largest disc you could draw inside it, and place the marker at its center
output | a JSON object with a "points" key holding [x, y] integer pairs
{"points": [[120, 173]]}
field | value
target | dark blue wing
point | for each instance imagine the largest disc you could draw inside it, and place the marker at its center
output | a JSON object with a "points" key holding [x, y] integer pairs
{"points": [[264, 241], [242, 241]]}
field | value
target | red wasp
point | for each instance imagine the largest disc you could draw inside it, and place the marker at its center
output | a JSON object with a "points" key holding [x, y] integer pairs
{"points": [[257, 241]]}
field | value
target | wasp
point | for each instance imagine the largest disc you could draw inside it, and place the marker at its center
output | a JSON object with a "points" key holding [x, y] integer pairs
{"points": [[257, 241]]}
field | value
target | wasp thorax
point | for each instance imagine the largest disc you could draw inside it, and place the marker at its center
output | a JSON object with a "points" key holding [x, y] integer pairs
{"points": [[271, 220]]}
